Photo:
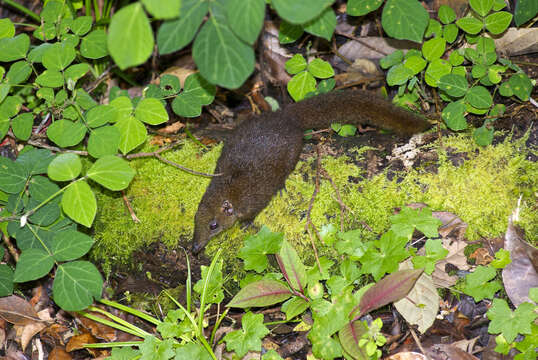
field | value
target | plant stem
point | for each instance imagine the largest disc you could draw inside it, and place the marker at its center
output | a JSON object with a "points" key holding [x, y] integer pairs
{"points": [[23, 9]]}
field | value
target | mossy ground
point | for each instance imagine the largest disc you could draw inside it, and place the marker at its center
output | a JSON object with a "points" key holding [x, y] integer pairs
{"points": [[483, 191]]}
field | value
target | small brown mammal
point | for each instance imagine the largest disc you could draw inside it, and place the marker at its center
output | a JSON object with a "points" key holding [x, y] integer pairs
{"points": [[263, 150]]}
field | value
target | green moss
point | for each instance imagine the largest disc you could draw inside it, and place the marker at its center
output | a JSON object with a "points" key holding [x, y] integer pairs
{"points": [[483, 191]]}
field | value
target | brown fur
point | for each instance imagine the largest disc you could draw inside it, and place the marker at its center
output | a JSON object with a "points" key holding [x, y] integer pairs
{"points": [[263, 150]]}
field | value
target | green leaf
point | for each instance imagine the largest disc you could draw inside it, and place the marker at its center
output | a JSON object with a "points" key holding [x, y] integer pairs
{"points": [[478, 71], [100, 115], [104, 141], [256, 247], [453, 115], [521, 86], [11, 106], [454, 85], [5, 123], [434, 48], [289, 33], [4, 91], [76, 284], [320, 69], [434, 29], [41, 188], [112, 172], [196, 92], [300, 85], [58, 56], [436, 70], [130, 38], [50, 78], [249, 338], [18, 73], [81, 25], [405, 20], [65, 167], [70, 245], [470, 25], [509, 323], [246, 18], [362, 7], [482, 7], [294, 306], [446, 14], [296, 64], [502, 258], [478, 284], [151, 111], [385, 260], [22, 126], [66, 133], [498, 22], [75, 72], [479, 97], [94, 45], [404, 223], [214, 291], [52, 11], [261, 293], [7, 29], [399, 74], [483, 135], [124, 108], [292, 267], [216, 41], [15, 48], [6, 280], [132, 133], [174, 35], [79, 203], [12, 176], [416, 63], [300, 12], [35, 161], [391, 59], [163, 9], [434, 252], [33, 264], [525, 10], [322, 26], [450, 32]]}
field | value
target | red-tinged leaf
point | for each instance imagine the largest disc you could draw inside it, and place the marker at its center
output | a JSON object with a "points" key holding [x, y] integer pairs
{"points": [[17, 311], [349, 338], [261, 293], [292, 267], [391, 288]]}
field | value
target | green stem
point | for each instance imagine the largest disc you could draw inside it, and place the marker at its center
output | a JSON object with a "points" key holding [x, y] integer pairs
{"points": [[113, 344], [23, 9], [132, 311], [114, 325]]}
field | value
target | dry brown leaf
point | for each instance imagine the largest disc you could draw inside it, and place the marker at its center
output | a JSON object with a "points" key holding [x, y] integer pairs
{"points": [[99, 330], [17, 311], [521, 274], [453, 225], [181, 72], [518, 41], [375, 48], [25, 333], [459, 6], [407, 355], [481, 256], [444, 352], [77, 342], [172, 128], [160, 140], [58, 353]]}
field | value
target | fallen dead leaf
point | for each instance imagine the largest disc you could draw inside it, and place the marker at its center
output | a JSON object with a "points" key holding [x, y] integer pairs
{"points": [[444, 352], [407, 355], [99, 330], [25, 333], [17, 311], [58, 353], [481, 256], [172, 128], [518, 41], [77, 342]]}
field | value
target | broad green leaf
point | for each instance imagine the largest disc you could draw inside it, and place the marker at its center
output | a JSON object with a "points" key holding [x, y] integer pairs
{"points": [[76, 285], [70, 245], [362, 7], [65, 167], [7, 29], [41, 188], [289, 33], [132, 133], [33, 264], [130, 38], [261, 293], [498, 22], [405, 19], [79, 203], [300, 12], [47, 31], [320, 69], [416, 63], [453, 115], [479, 97], [434, 48], [391, 59], [470, 25], [18, 73], [434, 29], [100, 115], [12, 176], [58, 56], [45, 215], [482, 7], [249, 337], [81, 25], [446, 14], [52, 11], [292, 267], [322, 26], [22, 126], [246, 18], [236, 59], [436, 70], [124, 108], [6, 280], [300, 85], [50, 78], [173, 35], [450, 32], [35, 161], [483, 135], [525, 10], [151, 111], [104, 141], [521, 86], [112, 172], [75, 72], [94, 45], [511, 323], [5, 123], [478, 71], [65, 133], [163, 9], [14, 48], [10, 106], [296, 64], [200, 88], [4, 91], [399, 74], [454, 85], [186, 105], [350, 336]]}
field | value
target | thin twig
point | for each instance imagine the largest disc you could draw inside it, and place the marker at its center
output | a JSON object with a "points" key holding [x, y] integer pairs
{"points": [[342, 206], [56, 149], [10, 247], [130, 208], [190, 171], [419, 344], [153, 153]]}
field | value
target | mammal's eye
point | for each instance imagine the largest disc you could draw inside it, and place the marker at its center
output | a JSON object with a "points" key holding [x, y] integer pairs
{"points": [[213, 225]]}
